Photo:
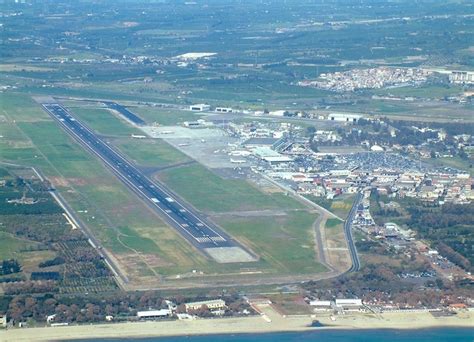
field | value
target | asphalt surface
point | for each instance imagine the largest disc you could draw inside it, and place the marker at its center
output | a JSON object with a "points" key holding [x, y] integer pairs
{"points": [[184, 219], [350, 240], [125, 112]]}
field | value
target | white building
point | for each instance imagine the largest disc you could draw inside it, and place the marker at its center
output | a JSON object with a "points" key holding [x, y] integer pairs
{"points": [[320, 305], [224, 110], [215, 304], [201, 107], [344, 117], [462, 77], [3, 320], [349, 304], [277, 113], [154, 314], [376, 148]]}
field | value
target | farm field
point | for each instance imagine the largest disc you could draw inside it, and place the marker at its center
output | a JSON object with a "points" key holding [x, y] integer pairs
{"points": [[433, 91], [35, 236]]}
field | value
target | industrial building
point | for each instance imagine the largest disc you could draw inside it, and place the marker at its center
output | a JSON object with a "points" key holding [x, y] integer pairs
{"points": [[321, 305], [224, 110], [259, 142], [271, 156], [152, 314], [278, 113], [349, 304], [344, 117]]}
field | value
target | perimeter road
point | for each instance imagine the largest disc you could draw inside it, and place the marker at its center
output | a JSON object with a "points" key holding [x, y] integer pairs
{"points": [[348, 231]]}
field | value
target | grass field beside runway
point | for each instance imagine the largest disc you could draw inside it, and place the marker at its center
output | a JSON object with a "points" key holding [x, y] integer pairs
{"points": [[209, 192], [156, 152], [103, 121], [164, 117], [286, 242]]}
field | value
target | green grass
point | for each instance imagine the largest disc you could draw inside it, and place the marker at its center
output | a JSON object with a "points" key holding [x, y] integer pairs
{"points": [[21, 107], [154, 152], [208, 192], [133, 240], [11, 246], [104, 122], [456, 162], [285, 242], [340, 206], [333, 222], [165, 117], [427, 91]]}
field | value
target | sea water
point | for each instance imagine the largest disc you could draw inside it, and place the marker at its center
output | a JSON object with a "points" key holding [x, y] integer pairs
{"points": [[375, 335]]}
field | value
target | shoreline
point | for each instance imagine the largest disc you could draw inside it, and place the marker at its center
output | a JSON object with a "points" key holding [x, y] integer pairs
{"points": [[240, 325]]}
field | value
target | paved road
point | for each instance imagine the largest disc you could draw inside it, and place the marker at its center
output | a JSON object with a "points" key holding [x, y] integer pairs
{"points": [[184, 219], [350, 240]]}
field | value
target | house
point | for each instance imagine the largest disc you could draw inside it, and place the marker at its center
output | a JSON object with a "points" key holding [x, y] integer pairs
{"points": [[50, 318], [3, 320], [215, 304]]}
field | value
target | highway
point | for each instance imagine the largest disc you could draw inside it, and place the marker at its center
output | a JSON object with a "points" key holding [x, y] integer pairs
{"points": [[203, 235], [348, 231]]}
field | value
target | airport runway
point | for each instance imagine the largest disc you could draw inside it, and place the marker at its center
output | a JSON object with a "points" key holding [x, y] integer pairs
{"points": [[135, 119], [203, 235]]}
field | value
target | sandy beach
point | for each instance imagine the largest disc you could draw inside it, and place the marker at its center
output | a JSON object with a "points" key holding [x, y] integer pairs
{"points": [[271, 322]]}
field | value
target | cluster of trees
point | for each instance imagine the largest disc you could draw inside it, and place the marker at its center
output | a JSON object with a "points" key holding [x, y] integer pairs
{"points": [[31, 227], [9, 266], [45, 276], [454, 256], [449, 227], [52, 262], [448, 215], [120, 305], [78, 265], [381, 283], [31, 286], [19, 188]]}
